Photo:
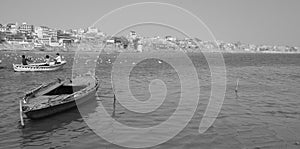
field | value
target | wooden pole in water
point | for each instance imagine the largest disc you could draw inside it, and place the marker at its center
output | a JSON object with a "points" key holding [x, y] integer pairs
{"points": [[21, 114], [236, 87], [114, 102], [114, 106]]}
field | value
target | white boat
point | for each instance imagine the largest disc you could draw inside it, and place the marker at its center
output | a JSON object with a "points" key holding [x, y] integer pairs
{"points": [[38, 67]]}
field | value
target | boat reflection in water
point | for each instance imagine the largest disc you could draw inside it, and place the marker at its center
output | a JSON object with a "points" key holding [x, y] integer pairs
{"points": [[45, 132]]}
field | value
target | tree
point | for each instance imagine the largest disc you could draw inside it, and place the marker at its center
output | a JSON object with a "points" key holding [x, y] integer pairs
{"points": [[2, 37]]}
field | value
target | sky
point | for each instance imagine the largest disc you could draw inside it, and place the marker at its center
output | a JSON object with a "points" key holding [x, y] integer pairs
{"points": [[271, 22]]}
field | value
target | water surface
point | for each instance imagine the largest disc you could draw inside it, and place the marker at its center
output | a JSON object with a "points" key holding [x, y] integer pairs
{"points": [[266, 113]]}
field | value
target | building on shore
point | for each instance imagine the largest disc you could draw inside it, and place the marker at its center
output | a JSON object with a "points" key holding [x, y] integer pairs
{"points": [[132, 38], [132, 35], [2, 28], [46, 34], [170, 38], [26, 28], [12, 27], [66, 38], [92, 30]]}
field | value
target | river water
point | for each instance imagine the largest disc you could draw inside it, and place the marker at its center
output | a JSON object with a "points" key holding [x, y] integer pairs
{"points": [[265, 114]]}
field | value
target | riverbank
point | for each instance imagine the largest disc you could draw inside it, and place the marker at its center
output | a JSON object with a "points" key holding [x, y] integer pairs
{"points": [[87, 47]]}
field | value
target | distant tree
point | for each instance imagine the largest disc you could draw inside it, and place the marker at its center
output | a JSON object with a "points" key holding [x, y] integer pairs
{"points": [[125, 41], [293, 49], [2, 37], [238, 44], [135, 43]]}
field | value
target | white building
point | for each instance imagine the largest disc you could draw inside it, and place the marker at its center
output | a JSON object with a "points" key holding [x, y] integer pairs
{"points": [[80, 31], [92, 29], [170, 38], [25, 28], [39, 32], [46, 34], [110, 41], [132, 35]]}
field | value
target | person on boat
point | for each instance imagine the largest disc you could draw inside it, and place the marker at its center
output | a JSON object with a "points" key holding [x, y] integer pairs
{"points": [[47, 61], [25, 60], [57, 59]]}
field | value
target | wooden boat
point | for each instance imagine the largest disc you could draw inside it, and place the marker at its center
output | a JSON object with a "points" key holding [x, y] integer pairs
{"points": [[38, 67], [58, 96]]}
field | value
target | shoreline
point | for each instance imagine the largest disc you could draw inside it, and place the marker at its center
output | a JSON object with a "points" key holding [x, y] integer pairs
{"points": [[114, 49], [154, 51]]}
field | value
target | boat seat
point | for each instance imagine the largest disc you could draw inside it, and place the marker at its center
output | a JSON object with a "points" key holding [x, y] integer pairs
{"points": [[45, 99]]}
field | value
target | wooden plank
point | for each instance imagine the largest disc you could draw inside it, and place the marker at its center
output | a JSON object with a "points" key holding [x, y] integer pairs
{"points": [[21, 113]]}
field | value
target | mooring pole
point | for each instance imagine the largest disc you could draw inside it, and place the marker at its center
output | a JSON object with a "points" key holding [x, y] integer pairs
{"points": [[114, 92], [114, 105], [236, 87], [21, 114]]}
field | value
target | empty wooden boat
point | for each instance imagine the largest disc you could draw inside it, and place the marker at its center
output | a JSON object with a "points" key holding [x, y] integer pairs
{"points": [[58, 96]]}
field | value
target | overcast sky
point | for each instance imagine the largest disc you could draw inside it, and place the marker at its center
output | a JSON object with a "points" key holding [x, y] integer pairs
{"points": [[274, 22]]}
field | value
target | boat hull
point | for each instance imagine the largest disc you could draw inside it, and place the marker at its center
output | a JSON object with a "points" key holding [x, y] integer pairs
{"points": [[59, 96], [34, 68], [52, 110]]}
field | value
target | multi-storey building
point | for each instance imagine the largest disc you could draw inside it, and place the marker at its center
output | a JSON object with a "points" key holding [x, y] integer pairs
{"points": [[46, 34], [26, 28], [170, 38]]}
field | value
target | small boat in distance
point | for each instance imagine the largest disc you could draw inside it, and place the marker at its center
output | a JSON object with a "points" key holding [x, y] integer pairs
{"points": [[38, 67], [58, 96]]}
